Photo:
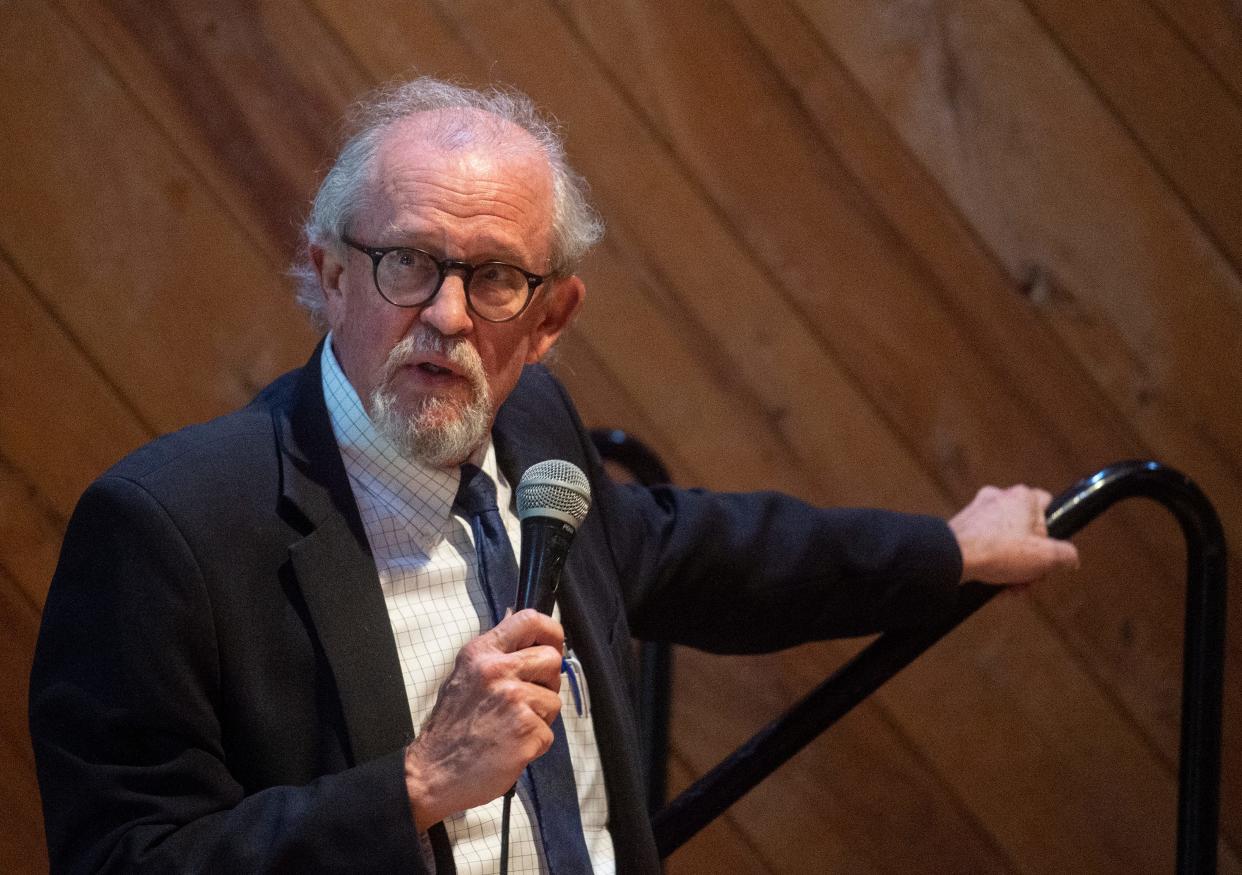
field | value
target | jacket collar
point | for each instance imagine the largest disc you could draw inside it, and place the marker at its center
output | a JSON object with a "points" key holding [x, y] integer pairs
{"points": [[527, 431], [521, 431], [336, 574]]}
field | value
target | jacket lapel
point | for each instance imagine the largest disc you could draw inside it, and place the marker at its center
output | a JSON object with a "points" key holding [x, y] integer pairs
{"points": [[528, 431], [335, 571]]}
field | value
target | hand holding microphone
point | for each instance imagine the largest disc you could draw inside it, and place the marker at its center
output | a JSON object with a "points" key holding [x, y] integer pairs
{"points": [[493, 714]]}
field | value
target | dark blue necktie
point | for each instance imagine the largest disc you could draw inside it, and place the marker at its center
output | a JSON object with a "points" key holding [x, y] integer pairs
{"points": [[550, 779]]}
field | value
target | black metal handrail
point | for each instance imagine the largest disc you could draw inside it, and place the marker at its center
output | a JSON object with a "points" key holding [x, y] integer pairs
{"points": [[1202, 678]]}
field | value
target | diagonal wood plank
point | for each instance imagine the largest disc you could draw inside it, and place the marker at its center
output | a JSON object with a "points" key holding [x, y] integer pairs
{"points": [[1214, 28], [30, 532], [166, 296], [972, 286], [195, 67], [69, 399], [1171, 101], [864, 773], [22, 847], [1025, 792], [1062, 194]]}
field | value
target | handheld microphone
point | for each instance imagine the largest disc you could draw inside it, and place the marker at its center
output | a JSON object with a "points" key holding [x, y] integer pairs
{"points": [[553, 498]]}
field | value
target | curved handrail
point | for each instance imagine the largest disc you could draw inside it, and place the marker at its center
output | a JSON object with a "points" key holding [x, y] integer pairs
{"points": [[1202, 678]]}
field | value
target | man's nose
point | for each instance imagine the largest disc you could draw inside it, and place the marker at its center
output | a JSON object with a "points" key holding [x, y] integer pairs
{"points": [[448, 312]]}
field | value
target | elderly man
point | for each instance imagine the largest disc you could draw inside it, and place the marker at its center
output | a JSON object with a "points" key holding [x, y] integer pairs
{"points": [[271, 642]]}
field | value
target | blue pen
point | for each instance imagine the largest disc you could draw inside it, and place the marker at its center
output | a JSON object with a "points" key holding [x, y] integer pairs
{"points": [[572, 668]]}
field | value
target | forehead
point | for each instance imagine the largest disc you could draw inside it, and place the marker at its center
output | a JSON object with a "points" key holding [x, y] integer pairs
{"points": [[460, 173]]}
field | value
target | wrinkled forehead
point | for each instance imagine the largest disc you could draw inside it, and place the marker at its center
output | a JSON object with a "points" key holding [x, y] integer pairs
{"points": [[467, 162], [468, 141]]}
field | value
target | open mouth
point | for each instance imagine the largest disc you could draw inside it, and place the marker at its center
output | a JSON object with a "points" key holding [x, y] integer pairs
{"points": [[434, 369]]}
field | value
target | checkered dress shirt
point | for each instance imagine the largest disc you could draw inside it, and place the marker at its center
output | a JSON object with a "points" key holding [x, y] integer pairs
{"points": [[428, 572]]}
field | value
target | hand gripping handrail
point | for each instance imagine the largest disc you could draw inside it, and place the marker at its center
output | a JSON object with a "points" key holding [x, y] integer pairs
{"points": [[1202, 672]]}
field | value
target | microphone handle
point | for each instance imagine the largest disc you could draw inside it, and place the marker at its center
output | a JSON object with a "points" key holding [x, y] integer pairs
{"points": [[545, 544]]}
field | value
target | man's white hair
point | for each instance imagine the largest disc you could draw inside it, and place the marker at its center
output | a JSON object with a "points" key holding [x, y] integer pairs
{"points": [[576, 226]]}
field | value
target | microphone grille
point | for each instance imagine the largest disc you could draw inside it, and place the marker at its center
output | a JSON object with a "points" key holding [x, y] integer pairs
{"points": [[554, 488]]}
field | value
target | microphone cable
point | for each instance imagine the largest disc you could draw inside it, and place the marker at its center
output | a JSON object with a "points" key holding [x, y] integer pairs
{"points": [[504, 832]]}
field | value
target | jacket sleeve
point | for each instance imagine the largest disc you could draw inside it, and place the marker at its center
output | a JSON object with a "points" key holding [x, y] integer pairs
{"points": [[738, 573], [756, 572], [132, 762]]}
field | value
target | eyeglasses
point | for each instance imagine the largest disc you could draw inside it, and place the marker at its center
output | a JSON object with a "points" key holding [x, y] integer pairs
{"points": [[406, 277]]}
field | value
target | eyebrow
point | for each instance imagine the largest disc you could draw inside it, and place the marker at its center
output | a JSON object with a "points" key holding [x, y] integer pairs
{"points": [[494, 249]]}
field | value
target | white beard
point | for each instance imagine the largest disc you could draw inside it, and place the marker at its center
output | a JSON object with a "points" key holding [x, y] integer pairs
{"points": [[441, 432]]}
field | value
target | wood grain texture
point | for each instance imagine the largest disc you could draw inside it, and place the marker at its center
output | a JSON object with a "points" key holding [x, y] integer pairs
{"points": [[101, 216], [21, 838], [30, 532], [218, 80], [91, 418], [1213, 28], [1169, 98], [1061, 193], [860, 798], [869, 253], [720, 847]]}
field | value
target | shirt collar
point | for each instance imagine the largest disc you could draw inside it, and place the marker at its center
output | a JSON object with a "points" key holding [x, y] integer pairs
{"points": [[418, 494]]}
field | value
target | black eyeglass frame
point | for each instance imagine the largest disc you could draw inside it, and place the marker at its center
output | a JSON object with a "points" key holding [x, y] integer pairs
{"points": [[443, 266]]}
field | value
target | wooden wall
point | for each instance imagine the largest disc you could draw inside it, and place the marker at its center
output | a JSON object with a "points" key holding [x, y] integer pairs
{"points": [[866, 251]]}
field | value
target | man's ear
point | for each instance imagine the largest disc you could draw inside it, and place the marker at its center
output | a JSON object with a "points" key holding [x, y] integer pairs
{"points": [[329, 268], [560, 306]]}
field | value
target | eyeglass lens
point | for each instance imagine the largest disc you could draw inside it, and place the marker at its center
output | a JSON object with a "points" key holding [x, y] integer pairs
{"points": [[408, 277]]}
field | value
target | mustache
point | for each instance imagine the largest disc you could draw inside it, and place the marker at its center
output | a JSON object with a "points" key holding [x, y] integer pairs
{"points": [[426, 339]]}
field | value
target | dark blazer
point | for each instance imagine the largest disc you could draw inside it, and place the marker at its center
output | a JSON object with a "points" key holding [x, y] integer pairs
{"points": [[216, 686]]}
